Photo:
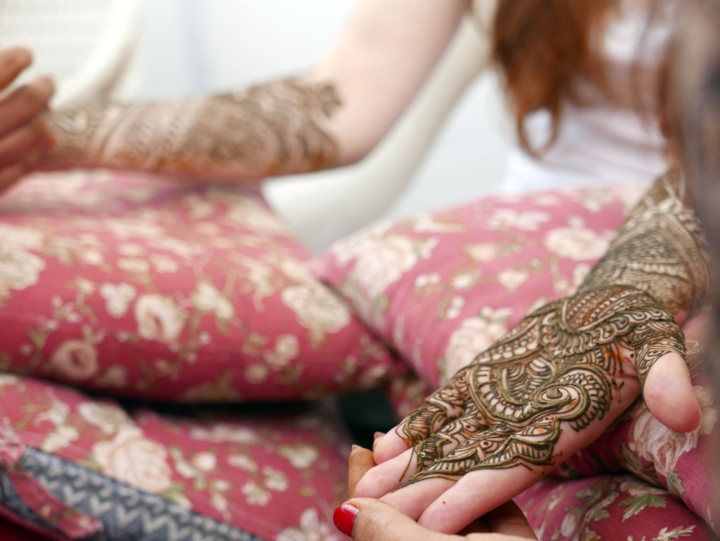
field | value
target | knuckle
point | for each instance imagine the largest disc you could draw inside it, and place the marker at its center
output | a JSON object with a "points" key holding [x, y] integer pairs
{"points": [[33, 96]]}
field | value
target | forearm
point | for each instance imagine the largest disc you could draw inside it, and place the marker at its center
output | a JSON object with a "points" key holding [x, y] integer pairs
{"points": [[276, 128], [333, 116], [659, 250]]}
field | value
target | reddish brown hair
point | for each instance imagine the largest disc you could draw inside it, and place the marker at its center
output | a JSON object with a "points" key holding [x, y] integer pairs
{"points": [[541, 47]]}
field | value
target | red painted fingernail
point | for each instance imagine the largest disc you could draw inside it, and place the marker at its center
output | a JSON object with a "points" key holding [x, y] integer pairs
{"points": [[344, 518]]}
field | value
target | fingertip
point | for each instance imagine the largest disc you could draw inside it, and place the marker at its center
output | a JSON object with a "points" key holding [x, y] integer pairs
{"points": [[45, 85], [21, 56], [669, 394], [388, 446]]}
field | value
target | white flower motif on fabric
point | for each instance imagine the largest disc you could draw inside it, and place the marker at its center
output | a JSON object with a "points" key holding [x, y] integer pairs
{"points": [[316, 308], [132, 458], [19, 268], [59, 438], [223, 432], [22, 237], [243, 462], [311, 528], [75, 360], [158, 318], [117, 298], [109, 419], [255, 494], [474, 336], [576, 243], [382, 263], [207, 298], [482, 252], [300, 455], [511, 279], [513, 219]]}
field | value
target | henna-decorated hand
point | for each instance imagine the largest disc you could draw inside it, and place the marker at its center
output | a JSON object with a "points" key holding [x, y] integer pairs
{"points": [[556, 381], [503, 420]]}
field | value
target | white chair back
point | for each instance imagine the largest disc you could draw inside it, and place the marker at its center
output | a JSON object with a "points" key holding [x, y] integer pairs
{"points": [[84, 44]]}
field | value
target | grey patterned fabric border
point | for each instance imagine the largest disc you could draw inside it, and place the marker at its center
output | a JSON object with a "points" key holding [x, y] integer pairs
{"points": [[127, 514]]}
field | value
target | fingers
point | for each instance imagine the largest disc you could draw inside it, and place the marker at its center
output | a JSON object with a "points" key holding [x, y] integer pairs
{"points": [[442, 406], [449, 437], [492, 468], [361, 460], [13, 62], [24, 104], [470, 497], [387, 476], [665, 377], [669, 394], [377, 521], [21, 143], [10, 176]]}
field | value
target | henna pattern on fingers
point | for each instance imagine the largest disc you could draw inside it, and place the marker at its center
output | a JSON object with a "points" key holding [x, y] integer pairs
{"points": [[268, 129], [565, 362]]}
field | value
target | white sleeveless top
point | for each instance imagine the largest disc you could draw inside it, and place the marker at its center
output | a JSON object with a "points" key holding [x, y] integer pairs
{"points": [[600, 142]]}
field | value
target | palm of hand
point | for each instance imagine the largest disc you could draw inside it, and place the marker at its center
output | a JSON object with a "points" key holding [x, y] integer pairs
{"points": [[562, 363]]}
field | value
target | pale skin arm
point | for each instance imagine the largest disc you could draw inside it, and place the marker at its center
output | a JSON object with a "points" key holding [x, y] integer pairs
{"points": [[334, 115]]}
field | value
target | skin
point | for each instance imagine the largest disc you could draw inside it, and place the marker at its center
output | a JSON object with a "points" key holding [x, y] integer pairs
{"points": [[378, 521], [24, 138]]}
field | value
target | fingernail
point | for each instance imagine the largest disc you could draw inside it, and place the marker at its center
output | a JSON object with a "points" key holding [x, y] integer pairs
{"points": [[354, 447], [378, 435], [344, 518]]}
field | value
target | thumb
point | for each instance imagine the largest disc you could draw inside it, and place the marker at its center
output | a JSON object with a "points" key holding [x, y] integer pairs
{"points": [[669, 394], [365, 519]]}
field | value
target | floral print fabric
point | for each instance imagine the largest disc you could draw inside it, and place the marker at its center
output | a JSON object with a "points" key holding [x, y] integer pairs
{"points": [[264, 472], [617, 507], [144, 287], [442, 287]]}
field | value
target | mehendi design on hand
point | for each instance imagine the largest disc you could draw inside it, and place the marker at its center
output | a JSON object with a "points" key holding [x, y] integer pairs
{"points": [[565, 362], [270, 129]]}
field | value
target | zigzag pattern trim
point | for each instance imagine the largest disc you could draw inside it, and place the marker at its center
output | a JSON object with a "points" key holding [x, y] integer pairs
{"points": [[126, 513]]}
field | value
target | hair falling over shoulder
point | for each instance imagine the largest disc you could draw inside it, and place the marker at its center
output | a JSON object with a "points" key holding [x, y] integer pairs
{"points": [[541, 47]]}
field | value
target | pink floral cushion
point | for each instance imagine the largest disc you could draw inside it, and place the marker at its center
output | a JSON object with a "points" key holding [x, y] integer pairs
{"points": [[442, 287], [76, 468], [608, 507], [147, 288]]}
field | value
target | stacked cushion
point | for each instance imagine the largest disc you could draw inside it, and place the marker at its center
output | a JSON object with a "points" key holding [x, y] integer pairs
{"points": [[143, 287]]}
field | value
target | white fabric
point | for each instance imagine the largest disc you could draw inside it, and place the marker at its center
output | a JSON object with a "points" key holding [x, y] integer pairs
{"points": [[83, 44], [601, 142]]}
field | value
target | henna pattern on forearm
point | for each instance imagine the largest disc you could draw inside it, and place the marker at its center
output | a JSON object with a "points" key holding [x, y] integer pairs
{"points": [[565, 362], [270, 129]]}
